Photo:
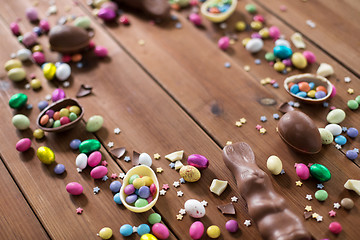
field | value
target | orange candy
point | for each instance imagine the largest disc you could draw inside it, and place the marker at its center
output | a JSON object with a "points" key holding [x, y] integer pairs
{"points": [[304, 86], [56, 116], [321, 88], [76, 57], [44, 120], [290, 84], [214, 10]]}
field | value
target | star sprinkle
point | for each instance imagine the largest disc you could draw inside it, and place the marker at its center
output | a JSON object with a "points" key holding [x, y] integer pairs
{"points": [[159, 170], [276, 116], [344, 129], [117, 130], [319, 218], [350, 91], [182, 211], [204, 203], [296, 104], [29, 106], [308, 208], [104, 163], [332, 213], [247, 68], [320, 186], [121, 175], [238, 124], [135, 229], [48, 97], [347, 79], [356, 150], [315, 215], [162, 192], [338, 146], [179, 193], [157, 156], [66, 84], [227, 65], [258, 127], [127, 159], [96, 190], [325, 104], [234, 199], [110, 144], [298, 183], [228, 142], [247, 223], [308, 197], [262, 130], [257, 61], [178, 25], [79, 210], [310, 23], [172, 165], [179, 217], [78, 170], [165, 186], [182, 180], [337, 205], [282, 171], [176, 184], [243, 120], [105, 178], [263, 119], [114, 176], [141, 42]]}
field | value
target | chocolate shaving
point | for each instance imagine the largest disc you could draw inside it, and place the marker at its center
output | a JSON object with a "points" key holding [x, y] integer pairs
{"points": [[227, 208], [307, 215], [118, 152], [135, 159], [84, 91], [285, 107]]}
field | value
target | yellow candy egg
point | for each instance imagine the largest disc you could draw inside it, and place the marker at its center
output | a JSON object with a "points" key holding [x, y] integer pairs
{"points": [[245, 41], [75, 109], [298, 60], [190, 173], [279, 66], [240, 26], [38, 133], [311, 93], [35, 84], [49, 71], [13, 63], [213, 231], [148, 236], [138, 183], [264, 33], [45, 155], [64, 112], [256, 25], [105, 233], [37, 48], [148, 181]]}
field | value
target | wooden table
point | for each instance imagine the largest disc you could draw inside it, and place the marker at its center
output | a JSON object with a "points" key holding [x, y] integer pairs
{"points": [[173, 93]]}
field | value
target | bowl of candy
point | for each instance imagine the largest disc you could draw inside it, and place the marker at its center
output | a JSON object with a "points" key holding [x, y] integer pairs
{"points": [[140, 189], [218, 10], [309, 88]]}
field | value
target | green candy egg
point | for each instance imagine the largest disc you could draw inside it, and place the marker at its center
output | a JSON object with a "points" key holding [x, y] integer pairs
{"points": [[57, 123], [336, 116], [154, 218], [250, 8], [18, 100], [21, 121], [269, 56], [89, 146], [45, 155], [141, 203], [82, 22], [353, 104], [321, 195], [357, 99], [132, 178], [320, 172], [94, 123], [72, 116]]}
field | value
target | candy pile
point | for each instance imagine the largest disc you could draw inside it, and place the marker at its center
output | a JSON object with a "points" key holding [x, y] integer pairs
{"points": [[219, 6], [307, 90], [54, 119], [140, 190]]}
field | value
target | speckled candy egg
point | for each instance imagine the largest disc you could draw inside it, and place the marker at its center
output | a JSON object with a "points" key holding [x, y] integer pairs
{"points": [[302, 171], [194, 208], [198, 161], [23, 144], [190, 173], [98, 172], [45, 155], [160, 231], [74, 188], [326, 136], [196, 230]]}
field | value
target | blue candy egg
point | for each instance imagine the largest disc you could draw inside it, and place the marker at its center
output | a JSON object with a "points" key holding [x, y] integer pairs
{"points": [[74, 144], [144, 192], [42, 105], [301, 94], [320, 94], [311, 85], [282, 52], [115, 186], [143, 229], [341, 140], [294, 89], [117, 198], [126, 230], [351, 154], [131, 198], [59, 169], [352, 132]]}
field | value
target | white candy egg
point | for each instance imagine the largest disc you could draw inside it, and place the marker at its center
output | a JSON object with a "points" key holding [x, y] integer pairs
{"points": [[81, 161], [254, 45], [23, 54], [63, 72], [145, 159], [335, 129], [194, 208]]}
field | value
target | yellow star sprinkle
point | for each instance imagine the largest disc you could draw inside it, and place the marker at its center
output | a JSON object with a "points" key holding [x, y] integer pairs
{"points": [[157, 156], [262, 130], [267, 80], [308, 208], [350, 91], [263, 82], [299, 183], [238, 123], [247, 68], [179, 217], [243, 120], [232, 41], [228, 142], [315, 215], [159, 170], [141, 42]]}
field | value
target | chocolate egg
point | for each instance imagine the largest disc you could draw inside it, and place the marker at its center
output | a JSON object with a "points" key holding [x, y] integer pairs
{"points": [[300, 132], [67, 39]]}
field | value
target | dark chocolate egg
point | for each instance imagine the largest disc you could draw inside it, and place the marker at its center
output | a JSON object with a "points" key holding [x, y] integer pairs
{"points": [[300, 132], [68, 39]]}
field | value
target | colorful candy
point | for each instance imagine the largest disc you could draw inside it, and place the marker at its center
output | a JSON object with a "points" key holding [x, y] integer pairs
{"points": [[302, 171], [321, 195], [190, 173], [16, 74], [335, 227], [196, 230], [74, 188], [126, 230], [18, 100], [23, 144], [145, 159], [59, 169], [274, 165], [105, 233], [21, 121], [89, 146], [320, 172], [94, 123], [198, 161], [45, 155], [98, 172], [307, 90], [254, 45], [143, 229], [52, 119], [154, 218], [232, 226], [213, 231], [194, 208], [160, 231]]}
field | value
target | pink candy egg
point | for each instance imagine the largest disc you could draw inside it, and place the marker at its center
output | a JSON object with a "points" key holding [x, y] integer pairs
{"points": [[160, 231], [310, 56], [106, 14], [64, 120], [74, 188], [39, 57], [333, 93], [14, 26], [335, 227], [224, 43], [302, 171], [44, 25], [31, 14], [29, 39], [94, 159], [196, 230], [98, 172], [149, 199], [274, 32], [57, 95], [23, 144], [152, 189], [198, 161], [259, 18], [195, 19], [100, 51], [129, 189]]}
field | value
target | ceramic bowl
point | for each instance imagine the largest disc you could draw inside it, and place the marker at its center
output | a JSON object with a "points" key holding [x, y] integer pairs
{"points": [[218, 17], [141, 170], [307, 77], [56, 106]]}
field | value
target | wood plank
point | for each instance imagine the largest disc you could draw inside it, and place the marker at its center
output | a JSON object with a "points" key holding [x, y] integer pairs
{"points": [[17, 220], [336, 30]]}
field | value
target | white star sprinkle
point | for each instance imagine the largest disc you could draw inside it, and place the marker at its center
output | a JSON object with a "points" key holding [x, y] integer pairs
{"points": [[308, 197], [282, 171], [121, 175], [247, 223], [66, 84], [319, 218], [162, 192], [176, 184], [110, 144], [234, 199], [180, 193], [182, 211], [117, 130], [204, 203], [296, 104], [78, 170], [347, 79], [337, 205], [338, 146], [48, 97], [27, 86], [135, 229]]}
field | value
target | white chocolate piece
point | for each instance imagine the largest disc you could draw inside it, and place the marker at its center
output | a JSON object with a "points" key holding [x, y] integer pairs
{"points": [[298, 40], [218, 186], [178, 165], [325, 70], [353, 184], [274, 165], [175, 156]]}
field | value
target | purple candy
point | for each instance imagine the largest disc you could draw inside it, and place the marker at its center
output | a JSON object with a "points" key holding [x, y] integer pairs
{"points": [[59, 169], [106, 14], [50, 113], [31, 14], [29, 39], [115, 186], [320, 94], [131, 198], [74, 144], [287, 62], [42, 105], [14, 26], [144, 192], [110, 5], [255, 35], [44, 25], [232, 226], [352, 132], [129, 189], [58, 94], [198, 161], [351, 154]]}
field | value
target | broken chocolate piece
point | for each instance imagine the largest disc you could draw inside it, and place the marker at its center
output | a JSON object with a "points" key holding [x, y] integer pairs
{"points": [[155, 8], [84, 91], [118, 152], [227, 208], [135, 159], [307, 215], [285, 107], [68, 39]]}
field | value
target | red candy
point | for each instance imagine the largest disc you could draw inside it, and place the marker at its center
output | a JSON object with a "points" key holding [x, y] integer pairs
{"points": [[321, 88], [335, 227], [124, 20]]}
